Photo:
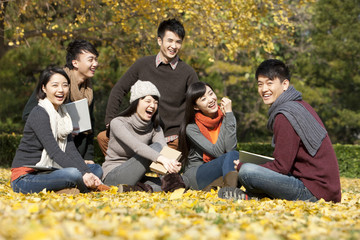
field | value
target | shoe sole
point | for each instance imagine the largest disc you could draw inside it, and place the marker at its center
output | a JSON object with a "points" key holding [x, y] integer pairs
{"points": [[234, 193]]}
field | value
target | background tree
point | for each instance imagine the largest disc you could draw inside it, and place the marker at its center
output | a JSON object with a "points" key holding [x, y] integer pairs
{"points": [[124, 31], [330, 67], [225, 41]]}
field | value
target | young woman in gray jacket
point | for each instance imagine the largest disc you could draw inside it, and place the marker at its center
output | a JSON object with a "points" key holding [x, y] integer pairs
{"points": [[208, 139]]}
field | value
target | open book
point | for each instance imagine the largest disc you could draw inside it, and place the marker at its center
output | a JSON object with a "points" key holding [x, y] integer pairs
{"points": [[166, 152], [79, 113]]}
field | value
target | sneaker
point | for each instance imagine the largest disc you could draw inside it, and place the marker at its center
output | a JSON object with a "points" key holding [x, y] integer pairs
{"points": [[234, 193], [71, 191]]}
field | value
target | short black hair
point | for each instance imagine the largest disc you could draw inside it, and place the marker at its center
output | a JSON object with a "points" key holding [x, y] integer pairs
{"points": [[77, 47], [171, 25], [273, 68], [45, 78]]}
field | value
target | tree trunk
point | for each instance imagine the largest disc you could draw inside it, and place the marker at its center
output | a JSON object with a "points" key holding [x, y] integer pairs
{"points": [[3, 48]]}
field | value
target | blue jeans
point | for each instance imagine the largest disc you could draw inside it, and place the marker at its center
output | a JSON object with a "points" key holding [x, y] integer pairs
{"points": [[216, 168], [55, 180], [263, 182]]}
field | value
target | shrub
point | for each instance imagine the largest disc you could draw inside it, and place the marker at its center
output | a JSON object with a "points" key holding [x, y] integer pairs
{"points": [[259, 148], [348, 155], [10, 142], [8, 146], [349, 160]]}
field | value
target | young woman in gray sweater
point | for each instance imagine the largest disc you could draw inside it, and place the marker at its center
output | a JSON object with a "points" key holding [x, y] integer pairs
{"points": [[208, 139], [136, 139], [47, 142]]}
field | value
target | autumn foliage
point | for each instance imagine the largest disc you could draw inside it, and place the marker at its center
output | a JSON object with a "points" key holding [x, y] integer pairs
{"points": [[225, 41], [225, 28]]}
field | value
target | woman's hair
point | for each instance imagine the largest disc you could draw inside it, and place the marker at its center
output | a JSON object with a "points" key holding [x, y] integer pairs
{"points": [[45, 78], [131, 109], [194, 92]]}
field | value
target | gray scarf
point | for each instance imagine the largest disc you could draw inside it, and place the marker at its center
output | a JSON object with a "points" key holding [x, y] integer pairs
{"points": [[305, 125], [140, 125]]}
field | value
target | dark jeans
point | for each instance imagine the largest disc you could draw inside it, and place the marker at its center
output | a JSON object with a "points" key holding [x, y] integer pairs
{"points": [[263, 182], [54, 180], [216, 168]]}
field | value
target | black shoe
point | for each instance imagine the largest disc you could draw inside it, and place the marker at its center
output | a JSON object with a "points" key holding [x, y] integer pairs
{"points": [[139, 187], [234, 193]]}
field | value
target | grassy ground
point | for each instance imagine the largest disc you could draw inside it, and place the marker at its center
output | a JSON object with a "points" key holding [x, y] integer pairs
{"points": [[178, 215]]}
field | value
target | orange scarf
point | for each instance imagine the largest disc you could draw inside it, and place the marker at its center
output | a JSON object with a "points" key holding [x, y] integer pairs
{"points": [[205, 124]]}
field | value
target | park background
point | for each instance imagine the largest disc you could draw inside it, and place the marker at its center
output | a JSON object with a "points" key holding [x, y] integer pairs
{"points": [[225, 41]]}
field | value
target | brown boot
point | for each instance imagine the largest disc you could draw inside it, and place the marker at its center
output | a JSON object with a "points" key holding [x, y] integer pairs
{"points": [[102, 187], [172, 181], [219, 182], [71, 191], [231, 179]]}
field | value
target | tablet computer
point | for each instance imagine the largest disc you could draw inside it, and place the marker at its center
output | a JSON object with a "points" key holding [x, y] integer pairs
{"points": [[41, 168], [248, 157]]}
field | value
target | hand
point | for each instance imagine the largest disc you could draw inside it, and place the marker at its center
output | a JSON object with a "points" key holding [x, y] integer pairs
{"points": [[91, 181], [236, 163], [75, 131], [225, 105], [89, 162], [171, 165]]}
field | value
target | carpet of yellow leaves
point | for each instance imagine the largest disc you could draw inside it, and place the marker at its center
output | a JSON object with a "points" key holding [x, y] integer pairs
{"points": [[178, 215]]}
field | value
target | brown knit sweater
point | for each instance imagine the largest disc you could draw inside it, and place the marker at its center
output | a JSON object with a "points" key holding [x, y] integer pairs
{"points": [[172, 85]]}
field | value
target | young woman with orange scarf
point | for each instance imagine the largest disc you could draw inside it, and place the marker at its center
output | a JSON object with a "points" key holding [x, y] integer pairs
{"points": [[207, 139]]}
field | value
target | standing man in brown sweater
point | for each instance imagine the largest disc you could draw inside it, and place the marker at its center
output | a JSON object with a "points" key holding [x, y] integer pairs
{"points": [[167, 72]]}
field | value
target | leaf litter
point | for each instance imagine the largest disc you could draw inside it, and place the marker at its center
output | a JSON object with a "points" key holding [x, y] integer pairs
{"points": [[178, 215]]}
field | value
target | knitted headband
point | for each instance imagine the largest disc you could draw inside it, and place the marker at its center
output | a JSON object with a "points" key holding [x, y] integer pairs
{"points": [[141, 89]]}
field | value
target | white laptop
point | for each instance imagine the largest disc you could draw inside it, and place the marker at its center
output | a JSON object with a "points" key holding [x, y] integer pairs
{"points": [[248, 157]]}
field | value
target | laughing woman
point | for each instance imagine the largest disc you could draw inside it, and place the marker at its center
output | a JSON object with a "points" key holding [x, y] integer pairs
{"points": [[136, 139], [208, 139], [47, 142]]}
